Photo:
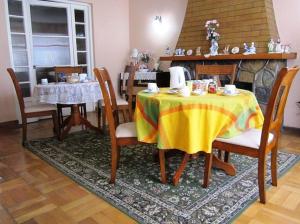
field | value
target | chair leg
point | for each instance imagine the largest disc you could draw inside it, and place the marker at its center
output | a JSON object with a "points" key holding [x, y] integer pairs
{"points": [[103, 118], [59, 114], [118, 157], [220, 154], [124, 115], [261, 179], [114, 164], [84, 111], [162, 166], [24, 131], [99, 115], [55, 125], [274, 166], [207, 169], [226, 157]]}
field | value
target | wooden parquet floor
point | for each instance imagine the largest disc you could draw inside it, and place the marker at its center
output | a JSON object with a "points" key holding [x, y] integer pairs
{"points": [[31, 191]]}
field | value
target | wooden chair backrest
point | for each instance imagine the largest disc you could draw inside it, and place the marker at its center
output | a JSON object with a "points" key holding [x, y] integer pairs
{"points": [[130, 83], [18, 90], [109, 97], [68, 70], [216, 70], [275, 108]]}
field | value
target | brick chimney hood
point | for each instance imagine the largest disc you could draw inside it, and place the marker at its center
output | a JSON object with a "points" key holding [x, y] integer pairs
{"points": [[240, 21]]}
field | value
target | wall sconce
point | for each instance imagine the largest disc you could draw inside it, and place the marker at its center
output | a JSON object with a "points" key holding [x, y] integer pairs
{"points": [[158, 19]]}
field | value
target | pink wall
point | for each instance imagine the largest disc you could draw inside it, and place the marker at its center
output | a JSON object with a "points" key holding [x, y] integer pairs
{"points": [[288, 22], [7, 92], [111, 47], [144, 36], [111, 35]]}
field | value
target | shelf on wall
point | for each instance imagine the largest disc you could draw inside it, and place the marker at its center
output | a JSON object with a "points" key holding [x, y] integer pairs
{"points": [[258, 56]]}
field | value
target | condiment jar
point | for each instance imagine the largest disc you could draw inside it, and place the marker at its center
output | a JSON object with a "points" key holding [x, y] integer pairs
{"points": [[212, 87]]}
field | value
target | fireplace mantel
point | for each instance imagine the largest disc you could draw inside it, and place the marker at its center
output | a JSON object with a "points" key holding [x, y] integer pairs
{"points": [[259, 56]]}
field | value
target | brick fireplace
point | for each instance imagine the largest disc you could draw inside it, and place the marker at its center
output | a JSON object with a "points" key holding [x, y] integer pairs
{"points": [[240, 21]]}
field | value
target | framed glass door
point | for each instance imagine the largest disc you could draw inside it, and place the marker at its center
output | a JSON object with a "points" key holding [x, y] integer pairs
{"points": [[44, 34], [18, 41], [47, 33], [51, 37]]}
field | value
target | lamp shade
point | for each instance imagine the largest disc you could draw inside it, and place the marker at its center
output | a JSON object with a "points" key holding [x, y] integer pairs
{"points": [[134, 53]]}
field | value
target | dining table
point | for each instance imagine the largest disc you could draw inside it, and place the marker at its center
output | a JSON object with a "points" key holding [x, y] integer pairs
{"points": [[191, 124], [71, 94]]}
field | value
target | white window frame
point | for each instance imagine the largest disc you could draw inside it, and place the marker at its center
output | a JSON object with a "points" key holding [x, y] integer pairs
{"points": [[72, 5]]}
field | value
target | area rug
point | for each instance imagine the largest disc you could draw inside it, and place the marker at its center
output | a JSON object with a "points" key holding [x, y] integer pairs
{"points": [[85, 157]]}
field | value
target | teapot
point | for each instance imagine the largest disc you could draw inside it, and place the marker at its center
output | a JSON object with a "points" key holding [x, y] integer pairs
{"points": [[177, 77]]}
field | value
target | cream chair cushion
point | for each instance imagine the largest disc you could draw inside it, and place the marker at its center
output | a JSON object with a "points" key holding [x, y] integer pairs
{"points": [[126, 130], [119, 102], [249, 138], [39, 107]]}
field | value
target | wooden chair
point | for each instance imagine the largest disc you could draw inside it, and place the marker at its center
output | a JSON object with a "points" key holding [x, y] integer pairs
{"points": [[216, 70], [120, 134], [259, 143], [68, 70], [32, 110], [125, 107]]}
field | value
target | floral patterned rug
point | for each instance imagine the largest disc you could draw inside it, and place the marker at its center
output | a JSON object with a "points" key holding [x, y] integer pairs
{"points": [[85, 157]]}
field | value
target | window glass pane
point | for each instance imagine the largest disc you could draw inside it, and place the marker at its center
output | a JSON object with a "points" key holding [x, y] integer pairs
{"points": [[80, 30], [81, 58], [80, 44], [18, 41], [25, 89], [22, 74], [79, 16], [20, 58], [15, 8], [49, 20], [16, 25], [51, 51], [45, 73]]}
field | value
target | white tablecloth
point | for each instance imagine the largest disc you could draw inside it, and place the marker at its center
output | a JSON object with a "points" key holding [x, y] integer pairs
{"points": [[140, 75], [65, 93]]}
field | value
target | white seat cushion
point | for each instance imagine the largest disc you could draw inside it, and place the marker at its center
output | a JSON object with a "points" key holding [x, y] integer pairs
{"points": [[126, 130], [249, 138], [119, 102], [39, 107]]}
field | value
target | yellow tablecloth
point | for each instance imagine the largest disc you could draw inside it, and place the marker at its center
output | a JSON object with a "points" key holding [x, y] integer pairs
{"points": [[192, 123]]}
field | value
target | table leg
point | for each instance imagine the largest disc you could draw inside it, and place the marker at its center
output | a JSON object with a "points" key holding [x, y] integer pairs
{"points": [[181, 169], [227, 167], [74, 120]]}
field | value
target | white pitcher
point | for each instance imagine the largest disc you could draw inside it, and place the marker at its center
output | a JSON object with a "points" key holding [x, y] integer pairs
{"points": [[177, 78]]}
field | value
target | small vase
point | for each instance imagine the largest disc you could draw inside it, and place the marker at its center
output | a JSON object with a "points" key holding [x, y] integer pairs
{"points": [[214, 47]]}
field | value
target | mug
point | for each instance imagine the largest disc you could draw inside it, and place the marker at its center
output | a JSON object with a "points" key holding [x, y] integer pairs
{"points": [[44, 81], [189, 84], [82, 77], [152, 87], [230, 89], [185, 91]]}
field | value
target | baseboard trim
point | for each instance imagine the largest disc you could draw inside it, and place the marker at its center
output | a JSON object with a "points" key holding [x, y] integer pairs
{"points": [[291, 130], [10, 124]]}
